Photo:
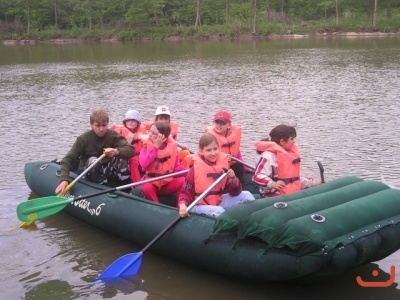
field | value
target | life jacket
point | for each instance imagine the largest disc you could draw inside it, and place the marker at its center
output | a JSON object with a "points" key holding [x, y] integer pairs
{"points": [[172, 124], [205, 175], [231, 143], [164, 162], [288, 165], [132, 138]]}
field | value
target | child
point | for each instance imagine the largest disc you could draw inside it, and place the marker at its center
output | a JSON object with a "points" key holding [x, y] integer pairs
{"points": [[278, 170], [163, 114], [209, 164], [159, 156], [131, 129], [90, 145], [229, 137]]}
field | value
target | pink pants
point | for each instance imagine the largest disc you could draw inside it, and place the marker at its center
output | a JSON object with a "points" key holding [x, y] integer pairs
{"points": [[150, 192]]}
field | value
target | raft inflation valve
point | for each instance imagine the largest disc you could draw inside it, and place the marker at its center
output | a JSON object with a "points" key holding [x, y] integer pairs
{"points": [[280, 205], [318, 218]]}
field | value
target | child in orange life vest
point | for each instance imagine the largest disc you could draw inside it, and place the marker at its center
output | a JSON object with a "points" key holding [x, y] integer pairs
{"points": [[132, 129], [278, 170], [209, 164], [159, 156], [229, 137]]}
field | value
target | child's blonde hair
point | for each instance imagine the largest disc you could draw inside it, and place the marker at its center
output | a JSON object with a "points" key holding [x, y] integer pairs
{"points": [[206, 139]]}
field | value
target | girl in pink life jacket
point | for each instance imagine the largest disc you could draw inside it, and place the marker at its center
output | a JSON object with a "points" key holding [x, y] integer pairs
{"points": [[278, 170], [209, 164], [159, 156]]}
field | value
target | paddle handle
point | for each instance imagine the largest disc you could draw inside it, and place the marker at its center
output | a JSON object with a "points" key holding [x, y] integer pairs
{"points": [[321, 171], [243, 163], [176, 220], [69, 186]]}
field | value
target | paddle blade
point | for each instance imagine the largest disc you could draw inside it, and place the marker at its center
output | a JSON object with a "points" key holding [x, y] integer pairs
{"points": [[32, 210], [125, 266]]}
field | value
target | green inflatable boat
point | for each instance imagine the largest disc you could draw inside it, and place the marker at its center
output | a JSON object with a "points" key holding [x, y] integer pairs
{"points": [[309, 236]]}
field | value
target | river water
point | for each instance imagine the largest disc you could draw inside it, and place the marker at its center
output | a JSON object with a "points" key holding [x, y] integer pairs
{"points": [[342, 95]]}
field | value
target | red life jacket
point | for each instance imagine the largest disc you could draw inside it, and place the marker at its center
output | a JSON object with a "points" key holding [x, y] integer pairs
{"points": [[231, 143], [288, 165], [205, 175], [132, 138]]}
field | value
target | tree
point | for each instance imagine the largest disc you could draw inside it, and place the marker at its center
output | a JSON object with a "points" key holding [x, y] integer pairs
{"points": [[198, 20], [374, 17]]}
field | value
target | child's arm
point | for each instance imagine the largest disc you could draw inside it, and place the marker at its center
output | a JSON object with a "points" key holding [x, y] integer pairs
{"points": [[186, 194], [147, 156], [307, 182]]}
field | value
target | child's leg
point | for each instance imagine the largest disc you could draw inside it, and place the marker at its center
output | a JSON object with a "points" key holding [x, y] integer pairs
{"points": [[134, 167], [172, 187], [228, 201], [149, 192]]}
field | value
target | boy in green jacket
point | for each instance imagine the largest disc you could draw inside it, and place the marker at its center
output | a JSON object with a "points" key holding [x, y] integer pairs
{"points": [[91, 145]]}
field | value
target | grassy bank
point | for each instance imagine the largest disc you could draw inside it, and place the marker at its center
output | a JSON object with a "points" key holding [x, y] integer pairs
{"points": [[234, 30]]}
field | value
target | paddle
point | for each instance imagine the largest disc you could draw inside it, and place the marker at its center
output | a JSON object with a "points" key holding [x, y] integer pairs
{"points": [[129, 264], [32, 217], [243, 163], [321, 171], [47, 206]]}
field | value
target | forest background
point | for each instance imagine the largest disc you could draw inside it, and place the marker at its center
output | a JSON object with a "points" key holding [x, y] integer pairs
{"points": [[192, 19]]}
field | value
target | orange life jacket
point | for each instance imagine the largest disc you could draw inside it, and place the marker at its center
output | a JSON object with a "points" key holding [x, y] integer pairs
{"points": [[132, 138], [231, 143], [205, 175], [288, 165], [164, 163], [172, 124]]}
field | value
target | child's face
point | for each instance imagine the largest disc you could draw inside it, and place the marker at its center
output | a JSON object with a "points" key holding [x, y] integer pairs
{"points": [[164, 118], [221, 126], [210, 152], [287, 144], [99, 129], [131, 124], [153, 133]]}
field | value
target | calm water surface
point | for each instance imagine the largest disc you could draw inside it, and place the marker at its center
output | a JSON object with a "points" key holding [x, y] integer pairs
{"points": [[343, 95]]}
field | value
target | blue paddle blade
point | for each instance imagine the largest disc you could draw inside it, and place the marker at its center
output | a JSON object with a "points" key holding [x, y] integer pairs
{"points": [[125, 266]]}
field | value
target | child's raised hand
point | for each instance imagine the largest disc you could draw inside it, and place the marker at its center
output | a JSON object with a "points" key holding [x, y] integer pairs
{"points": [[230, 173], [159, 140]]}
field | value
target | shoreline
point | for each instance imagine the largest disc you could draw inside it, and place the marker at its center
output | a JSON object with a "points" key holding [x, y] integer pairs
{"points": [[208, 38]]}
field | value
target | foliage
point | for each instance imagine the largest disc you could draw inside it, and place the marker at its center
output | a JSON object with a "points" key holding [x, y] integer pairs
{"points": [[159, 19]]}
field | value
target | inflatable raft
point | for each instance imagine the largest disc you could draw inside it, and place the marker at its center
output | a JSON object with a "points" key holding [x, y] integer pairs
{"points": [[309, 236]]}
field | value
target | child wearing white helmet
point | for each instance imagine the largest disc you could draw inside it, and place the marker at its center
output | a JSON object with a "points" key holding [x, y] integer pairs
{"points": [[131, 128]]}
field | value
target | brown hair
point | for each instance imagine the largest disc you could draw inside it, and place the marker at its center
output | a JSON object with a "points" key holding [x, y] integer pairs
{"points": [[206, 139], [163, 128], [282, 132], [100, 116]]}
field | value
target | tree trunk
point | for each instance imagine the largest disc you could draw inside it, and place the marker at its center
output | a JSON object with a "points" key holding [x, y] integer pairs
{"points": [[55, 15], [337, 13], [226, 11], [254, 16], [375, 15], [198, 21], [28, 11], [389, 10]]}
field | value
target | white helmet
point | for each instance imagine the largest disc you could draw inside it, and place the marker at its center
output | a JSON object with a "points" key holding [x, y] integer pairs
{"points": [[132, 115], [162, 110]]}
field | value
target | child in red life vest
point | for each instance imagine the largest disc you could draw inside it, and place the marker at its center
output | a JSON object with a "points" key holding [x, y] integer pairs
{"points": [[278, 170], [209, 164], [229, 137], [159, 156], [131, 129]]}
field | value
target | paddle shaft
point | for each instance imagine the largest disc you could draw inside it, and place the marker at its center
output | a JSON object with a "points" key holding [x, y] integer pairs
{"points": [[243, 163], [69, 186], [188, 209], [67, 201], [321, 171]]}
